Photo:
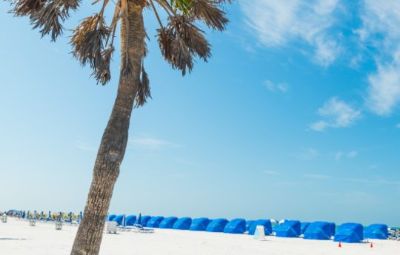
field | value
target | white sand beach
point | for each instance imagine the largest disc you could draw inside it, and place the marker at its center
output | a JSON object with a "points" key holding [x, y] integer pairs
{"points": [[18, 238]]}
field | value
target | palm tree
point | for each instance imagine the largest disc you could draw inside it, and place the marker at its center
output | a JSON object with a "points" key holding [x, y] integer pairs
{"points": [[180, 41]]}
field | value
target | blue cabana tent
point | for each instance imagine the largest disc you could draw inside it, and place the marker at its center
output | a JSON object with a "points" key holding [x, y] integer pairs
{"points": [[318, 230], [333, 228], [143, 220], [248, 224], [349, 233], [217, 225], [266, 223], [376, 231], [199, 224], [290, 228], [130, 220], [235, 226], [119, 219], [304, 226], [183, 223], [168, 222], [154, 222], [111, 217]]}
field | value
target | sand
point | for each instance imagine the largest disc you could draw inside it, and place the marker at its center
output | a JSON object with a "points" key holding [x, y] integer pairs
{"points": [[18, 238]]}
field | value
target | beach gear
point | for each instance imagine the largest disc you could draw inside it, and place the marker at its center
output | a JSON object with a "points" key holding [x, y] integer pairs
{"points": [[217, 225], [248, 224], [111, 217], [154, 222], [259, 233], [349, 233], [183, 223], [143, 220], [376, 231], [168, 222], [235, 226], [199, 224], [318, 230], [111, 227], [304, 226], [130, 220], [119, 219], [265, 223], [289, 228]]}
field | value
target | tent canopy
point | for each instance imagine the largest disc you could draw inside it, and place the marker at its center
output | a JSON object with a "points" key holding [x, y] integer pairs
{"points": [[183, 223], [318, 230], [143, 220], [266, 223], [154, 221], [248, 224], [349, 233], [119, 219], [376, 231], [110, 217], [168, 222], [289, 228], [304, 226], [199, 224], [217, 225], [235, 226], [130, 220]]}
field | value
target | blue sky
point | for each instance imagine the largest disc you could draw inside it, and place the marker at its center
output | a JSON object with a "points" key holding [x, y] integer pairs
{"points": [[296, 115]]}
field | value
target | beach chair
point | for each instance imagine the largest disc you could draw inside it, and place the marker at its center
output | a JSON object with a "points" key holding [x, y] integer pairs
{"points": [[4, 218], [32, 222], [111, 227], [140, 229], [58, 225]]}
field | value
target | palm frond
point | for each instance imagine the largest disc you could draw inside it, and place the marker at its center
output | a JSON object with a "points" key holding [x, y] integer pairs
{"points": [[88, 42], [180, 41], [209, 12], [143, 91]]}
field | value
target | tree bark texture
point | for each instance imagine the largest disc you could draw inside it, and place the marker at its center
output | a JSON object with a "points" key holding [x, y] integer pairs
{"points": [[114, 141]]}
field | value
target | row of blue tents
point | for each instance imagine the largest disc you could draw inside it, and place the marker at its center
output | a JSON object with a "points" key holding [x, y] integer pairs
{"points": [[319, 230]]}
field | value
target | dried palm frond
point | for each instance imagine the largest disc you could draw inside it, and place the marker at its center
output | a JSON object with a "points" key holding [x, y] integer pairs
{"points": [[27, 7], [50, 16], [143, 91], [180, 41], [209, 12], [102, 71]]}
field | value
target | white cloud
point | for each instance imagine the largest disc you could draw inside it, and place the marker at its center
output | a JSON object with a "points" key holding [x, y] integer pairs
{"points": [[317, 176], [276, 87], [336, 114], [310, 21], [381, 22], [85, 146], [308, 154], [270, 172], [384, 89], [153, 143], [346, 155]]}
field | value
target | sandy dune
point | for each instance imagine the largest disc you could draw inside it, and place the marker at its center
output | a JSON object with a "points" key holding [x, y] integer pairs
{"points": [[18, 238]]}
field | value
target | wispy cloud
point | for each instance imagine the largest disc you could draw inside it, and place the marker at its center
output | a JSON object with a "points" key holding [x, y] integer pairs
{"points": [[398, 125], [276, 87], [335, 113], [346, 155], [317, 176], [270, 172], [153, 143], [308, 154], [277, 22], [381, 22], [83, 146]]}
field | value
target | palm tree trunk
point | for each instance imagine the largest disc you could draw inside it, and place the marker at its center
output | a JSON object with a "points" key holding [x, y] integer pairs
{"points": [[115, 137]]}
